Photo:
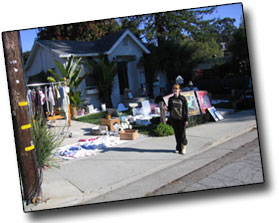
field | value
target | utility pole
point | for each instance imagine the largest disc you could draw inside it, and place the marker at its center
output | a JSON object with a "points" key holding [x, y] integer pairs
{"points": [[26, 155]]}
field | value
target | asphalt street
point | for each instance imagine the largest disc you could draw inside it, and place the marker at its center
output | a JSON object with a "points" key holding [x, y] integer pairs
{"points": [[243, 166], [240, 166]]}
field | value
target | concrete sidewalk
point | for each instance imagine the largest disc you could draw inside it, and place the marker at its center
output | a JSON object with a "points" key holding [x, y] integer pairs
{"points": [[82, 180]]}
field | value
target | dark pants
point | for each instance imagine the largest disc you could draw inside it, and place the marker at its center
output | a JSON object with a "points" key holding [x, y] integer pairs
{"points": [[180, 133]]}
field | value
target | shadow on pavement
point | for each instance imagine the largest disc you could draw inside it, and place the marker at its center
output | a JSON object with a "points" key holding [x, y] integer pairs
{"points": [[127, 149]]}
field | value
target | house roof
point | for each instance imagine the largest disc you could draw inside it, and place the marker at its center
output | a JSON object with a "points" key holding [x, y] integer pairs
{"points": [[66, 48]]}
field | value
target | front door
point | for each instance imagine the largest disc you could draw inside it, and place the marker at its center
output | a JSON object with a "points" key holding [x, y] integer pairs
{"points": [[122, 76]]}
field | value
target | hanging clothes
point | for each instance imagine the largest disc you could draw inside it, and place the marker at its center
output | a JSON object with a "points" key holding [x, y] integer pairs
{"points": [[64, 100], [39, 100], [46, 99], [51, 101], [57, 95], [42, 97]]}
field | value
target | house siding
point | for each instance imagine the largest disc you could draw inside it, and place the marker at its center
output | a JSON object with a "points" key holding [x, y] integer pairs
{"points": [[130, 49], [44, 59]]}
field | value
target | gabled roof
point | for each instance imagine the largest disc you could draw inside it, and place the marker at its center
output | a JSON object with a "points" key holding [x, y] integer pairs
{"points": [[66, 48]]}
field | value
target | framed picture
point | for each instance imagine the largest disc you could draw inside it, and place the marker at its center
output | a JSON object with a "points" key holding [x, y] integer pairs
{"points": [[212, 112], [166, 98], [219, 115], [204, 100], [193, 106]]}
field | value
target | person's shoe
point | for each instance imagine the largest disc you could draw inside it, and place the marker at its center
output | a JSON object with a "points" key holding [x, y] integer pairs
{"points": [[183, 151], [176, 151]]}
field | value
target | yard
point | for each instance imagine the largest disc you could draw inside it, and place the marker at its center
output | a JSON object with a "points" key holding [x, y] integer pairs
{"points": [[151, 129]]}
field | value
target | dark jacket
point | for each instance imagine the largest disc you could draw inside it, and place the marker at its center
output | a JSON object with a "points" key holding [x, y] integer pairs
{"points": [[184, 106]]}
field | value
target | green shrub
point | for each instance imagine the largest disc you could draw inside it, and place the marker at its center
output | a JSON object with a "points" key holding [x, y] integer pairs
{"points": [[164, 130], [155, 120], [198, 119], [45, 141]]}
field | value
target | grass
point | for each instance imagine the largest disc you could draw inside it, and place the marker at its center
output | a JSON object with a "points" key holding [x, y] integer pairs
{"points": [[93, 118], [144, 129], [96, 118]]}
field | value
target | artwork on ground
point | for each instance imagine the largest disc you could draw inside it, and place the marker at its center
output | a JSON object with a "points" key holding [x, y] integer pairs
{"points": [[204, 100], [215, 114], [193, 107], [166, 98]]}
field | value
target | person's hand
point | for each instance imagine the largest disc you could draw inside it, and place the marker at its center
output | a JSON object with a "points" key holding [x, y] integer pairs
{"points": [[186, 123]]}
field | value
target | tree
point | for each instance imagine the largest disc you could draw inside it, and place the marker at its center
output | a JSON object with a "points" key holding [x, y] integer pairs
{"points": [[73, 74], [172, 57], [84, 31], [176, 59], [204, 49], [159, 27], [224, 29], [238, 47], [104, 73], [151, 64]]}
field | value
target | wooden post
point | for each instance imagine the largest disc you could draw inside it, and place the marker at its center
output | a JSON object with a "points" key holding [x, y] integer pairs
{"points": [[69, 106], [162, 112], [25, 149]]}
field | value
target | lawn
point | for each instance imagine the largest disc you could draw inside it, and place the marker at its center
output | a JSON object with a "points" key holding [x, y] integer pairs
{"points": [[93, 118], [144, 129]]}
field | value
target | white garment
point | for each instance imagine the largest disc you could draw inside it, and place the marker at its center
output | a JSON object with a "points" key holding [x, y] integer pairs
{"points": [[42, 97], [65, 102], [51, 101]]}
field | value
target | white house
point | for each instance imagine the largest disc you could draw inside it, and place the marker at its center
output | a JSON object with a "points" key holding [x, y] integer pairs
{"points": [[123, 47]]}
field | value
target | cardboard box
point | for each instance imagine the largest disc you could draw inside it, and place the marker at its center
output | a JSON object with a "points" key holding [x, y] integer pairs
{"points": [[129, 134]]}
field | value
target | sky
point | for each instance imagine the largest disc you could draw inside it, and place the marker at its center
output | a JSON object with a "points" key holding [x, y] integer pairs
{"points": [[232, 11]]}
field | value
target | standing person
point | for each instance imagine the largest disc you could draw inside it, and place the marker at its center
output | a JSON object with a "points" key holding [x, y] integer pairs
{"points": [[178, 108]]}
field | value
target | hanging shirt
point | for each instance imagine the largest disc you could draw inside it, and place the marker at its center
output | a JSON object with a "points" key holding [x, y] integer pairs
{"points": [[46, 101], [57, 97], [62, 96], [51, 100], [42, 97]]}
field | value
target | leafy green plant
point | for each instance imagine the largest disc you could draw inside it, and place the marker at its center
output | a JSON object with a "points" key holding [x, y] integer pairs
{"points": [[46, 140], [71, 71], [104, 72], [164, 130], [75, 99]]}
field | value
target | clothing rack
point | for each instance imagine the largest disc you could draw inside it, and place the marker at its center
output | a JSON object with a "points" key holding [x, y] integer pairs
{"points": [[55, 117], [43, 84]]}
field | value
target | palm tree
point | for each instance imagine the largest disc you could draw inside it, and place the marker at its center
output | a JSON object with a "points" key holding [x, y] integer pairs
{"points": [[104, 73], [71, 72]]}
